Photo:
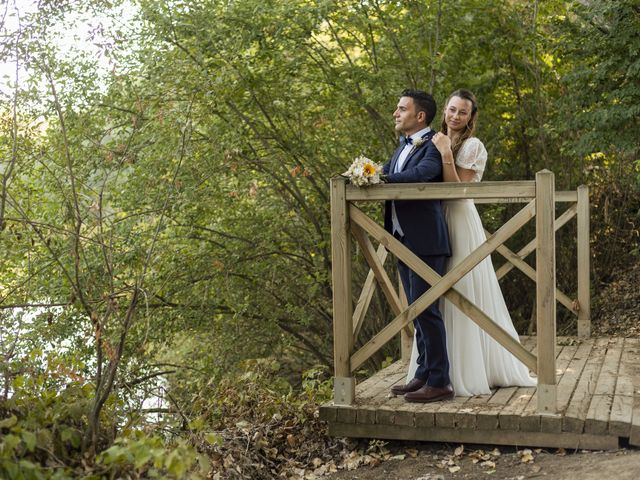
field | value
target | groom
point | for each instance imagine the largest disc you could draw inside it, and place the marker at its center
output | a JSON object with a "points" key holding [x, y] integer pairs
{"points": [[420, 226]]}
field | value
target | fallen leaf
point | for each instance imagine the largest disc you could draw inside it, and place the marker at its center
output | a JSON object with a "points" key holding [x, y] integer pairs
{"points": [[458, 451], [412, 452], [454, 469], [526, 456]]}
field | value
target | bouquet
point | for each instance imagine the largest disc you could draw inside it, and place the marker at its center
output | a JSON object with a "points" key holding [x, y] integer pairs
{"points": [[363, 172]]}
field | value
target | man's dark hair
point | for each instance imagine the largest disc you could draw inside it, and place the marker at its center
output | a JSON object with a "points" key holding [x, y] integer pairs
{"points": [[424, 102]]}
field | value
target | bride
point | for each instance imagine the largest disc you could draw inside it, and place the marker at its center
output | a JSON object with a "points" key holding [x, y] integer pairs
{"points": [[477, 361]]}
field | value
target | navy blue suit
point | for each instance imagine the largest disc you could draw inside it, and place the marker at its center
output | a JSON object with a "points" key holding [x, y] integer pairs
{"points": [[425, 234]]}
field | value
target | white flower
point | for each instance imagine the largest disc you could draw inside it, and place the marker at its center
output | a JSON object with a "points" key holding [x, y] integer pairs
{"points": [[363, 172]]}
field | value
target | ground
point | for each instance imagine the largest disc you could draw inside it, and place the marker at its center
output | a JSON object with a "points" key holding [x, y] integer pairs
{"points": [[617, 315], [432, 461]]}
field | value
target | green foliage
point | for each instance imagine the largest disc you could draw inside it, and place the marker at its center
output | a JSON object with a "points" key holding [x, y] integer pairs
{"points": [[166, 220], [145, 456]]}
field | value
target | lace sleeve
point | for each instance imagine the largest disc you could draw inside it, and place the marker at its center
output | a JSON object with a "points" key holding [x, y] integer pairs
{"points": [[472, 156]]}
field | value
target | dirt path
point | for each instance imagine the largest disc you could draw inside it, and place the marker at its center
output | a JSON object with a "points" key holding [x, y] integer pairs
{"points": [[413, 461]]}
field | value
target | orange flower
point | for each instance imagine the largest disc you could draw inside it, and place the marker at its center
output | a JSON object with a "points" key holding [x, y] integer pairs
{"points": [[369, 170]]}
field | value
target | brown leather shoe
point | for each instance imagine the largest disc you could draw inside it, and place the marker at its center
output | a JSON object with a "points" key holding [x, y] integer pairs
{"points": [[412, 386], [428, 394]]}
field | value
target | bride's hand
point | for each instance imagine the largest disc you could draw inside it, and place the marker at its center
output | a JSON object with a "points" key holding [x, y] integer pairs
{"points": [[442, 142]]}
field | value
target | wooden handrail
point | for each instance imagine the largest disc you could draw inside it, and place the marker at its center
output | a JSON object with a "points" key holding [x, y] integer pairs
{"points": [[346, 219]]}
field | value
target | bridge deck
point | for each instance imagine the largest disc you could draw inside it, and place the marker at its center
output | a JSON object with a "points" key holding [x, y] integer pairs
{"points": [[598, 404]]}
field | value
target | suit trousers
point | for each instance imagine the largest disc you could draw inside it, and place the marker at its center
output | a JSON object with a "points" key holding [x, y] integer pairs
{"points": [[433, 362]]}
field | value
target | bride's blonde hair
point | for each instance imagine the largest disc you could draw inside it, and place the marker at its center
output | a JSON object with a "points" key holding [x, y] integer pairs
{"points": [[471, 124]]}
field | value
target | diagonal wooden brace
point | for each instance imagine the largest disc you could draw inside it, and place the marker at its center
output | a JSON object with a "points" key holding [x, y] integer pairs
{"points": [[525, 268], [533, 244], [376, 266], [366, 294], [443, 286]]}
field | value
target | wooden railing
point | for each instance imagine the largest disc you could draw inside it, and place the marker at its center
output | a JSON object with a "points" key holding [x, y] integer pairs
{"points": [[540, 198]]}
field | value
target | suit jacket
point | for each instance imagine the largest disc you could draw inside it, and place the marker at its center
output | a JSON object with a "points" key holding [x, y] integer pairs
{"points": [[422, 221]]}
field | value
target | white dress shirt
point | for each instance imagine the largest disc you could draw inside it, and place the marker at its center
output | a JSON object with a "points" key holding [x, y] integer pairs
{"points": [[402, 158]]}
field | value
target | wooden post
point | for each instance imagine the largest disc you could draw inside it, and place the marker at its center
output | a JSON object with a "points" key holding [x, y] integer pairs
{"points": [[344, 384], [406, 334], [546, 291], [584, 292]]}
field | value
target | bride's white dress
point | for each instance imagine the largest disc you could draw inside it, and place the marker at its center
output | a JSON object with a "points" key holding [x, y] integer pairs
{"points": [[477, 361]]}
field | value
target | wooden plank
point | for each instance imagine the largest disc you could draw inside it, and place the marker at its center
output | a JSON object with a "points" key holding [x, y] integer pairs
{"points": [[499, 192], [487, 418], [576, 411], [481, 411], [584, 290], [380, 384], [634, 364], [425, 415], [466, 417], [396, 411], [362, 305], [440, 286], [375, 391], [566, 196], [344, 384], [446, 414], [546, 291], [566, 386], [509, 416], [366, 414], [472, 436], [346, 414], [634, 438], [530, 418], [597, 419], [407, 333], [561, 197], [328, 412], [531, 246], [622, 405]]}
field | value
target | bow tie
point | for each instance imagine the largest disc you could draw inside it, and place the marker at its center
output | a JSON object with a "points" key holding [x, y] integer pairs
{"points": [[406, 141]]}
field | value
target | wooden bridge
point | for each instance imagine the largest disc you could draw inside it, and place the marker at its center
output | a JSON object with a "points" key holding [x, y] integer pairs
{"points": [[588, 392]]}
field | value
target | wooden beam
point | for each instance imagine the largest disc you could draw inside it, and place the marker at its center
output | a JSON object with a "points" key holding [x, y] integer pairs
{"points": [[531, 273], [378, 270], [344, 383], [531, 246], [570, 196], [362, 305], [407, 333], [441, 286], [485, 192], [546, 291], [472, 436], [584, 291], [496, 191]]}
